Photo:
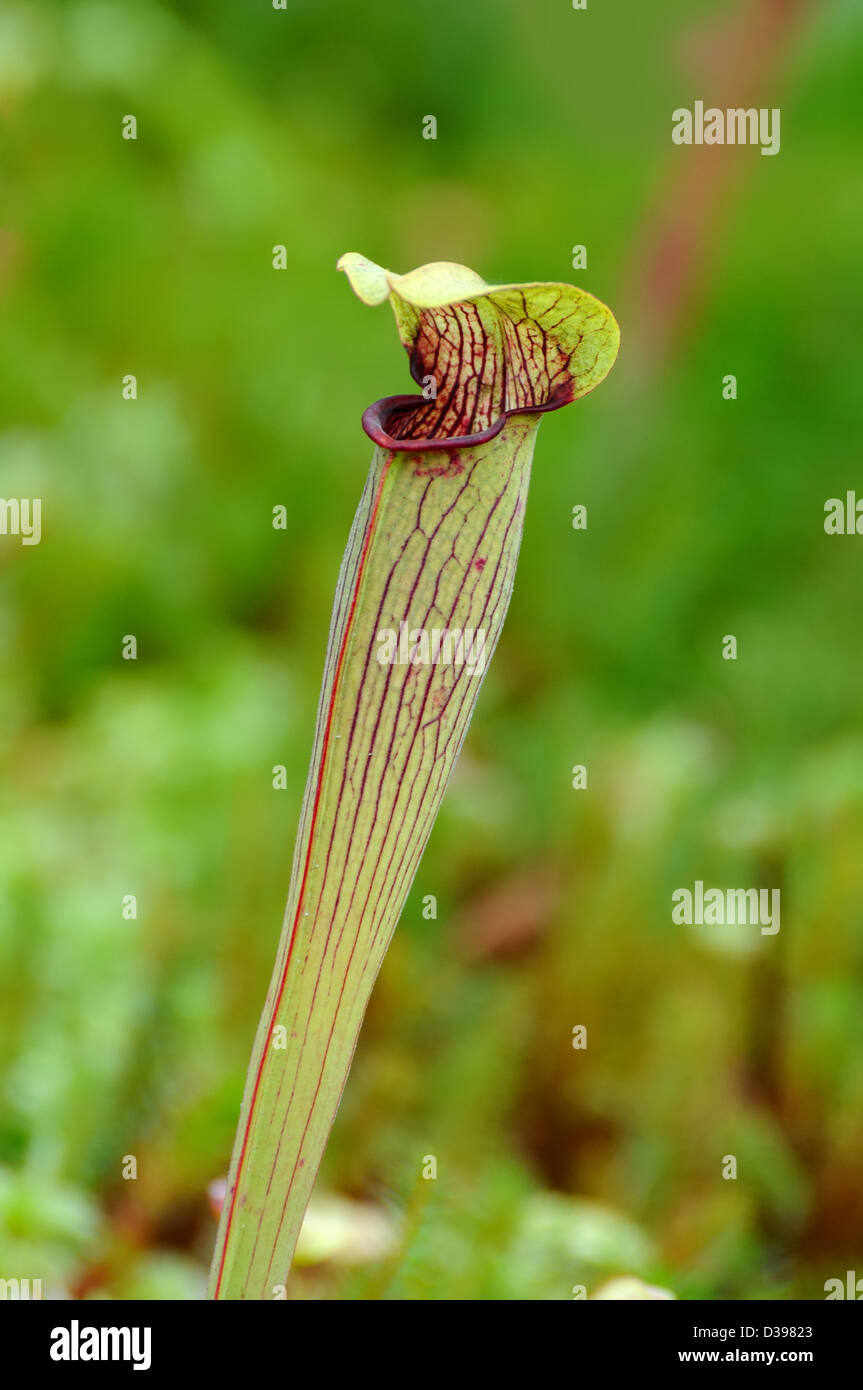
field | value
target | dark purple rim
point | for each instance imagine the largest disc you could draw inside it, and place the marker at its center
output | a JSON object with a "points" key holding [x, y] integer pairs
{"points": [[378, 416]]}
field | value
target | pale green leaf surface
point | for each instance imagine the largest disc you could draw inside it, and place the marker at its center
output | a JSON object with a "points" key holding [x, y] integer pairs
{"points": [[434, 546]]}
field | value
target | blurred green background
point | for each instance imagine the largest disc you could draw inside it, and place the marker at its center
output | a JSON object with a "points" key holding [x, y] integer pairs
{"points": [[705, 517]]}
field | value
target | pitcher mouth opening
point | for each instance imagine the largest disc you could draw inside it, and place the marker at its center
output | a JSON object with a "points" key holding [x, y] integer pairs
{"points": [[384, 423], [488, 351]]}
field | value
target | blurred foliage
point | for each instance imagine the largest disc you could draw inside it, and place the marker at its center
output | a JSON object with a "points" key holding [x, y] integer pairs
{"points": [[131, 1037]]}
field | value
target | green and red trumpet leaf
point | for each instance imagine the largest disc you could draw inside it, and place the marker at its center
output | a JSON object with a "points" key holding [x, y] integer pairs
{"points": [[432, 550]]}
